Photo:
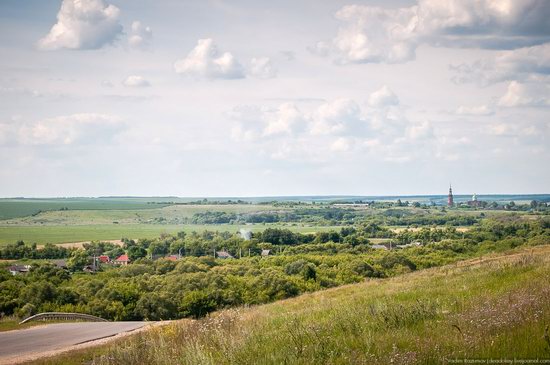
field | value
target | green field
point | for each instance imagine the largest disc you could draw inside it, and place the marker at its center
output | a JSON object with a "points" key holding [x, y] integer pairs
{"points": [[173, 214], [78, 233], [497, 307], [111, 223], [13, 208], [84, 219]]}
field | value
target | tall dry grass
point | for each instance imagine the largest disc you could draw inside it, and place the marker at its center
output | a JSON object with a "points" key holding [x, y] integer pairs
{"points": [[490, 308]]}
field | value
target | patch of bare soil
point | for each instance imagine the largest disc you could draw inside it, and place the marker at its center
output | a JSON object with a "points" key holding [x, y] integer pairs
{"points": [[81, 244]]}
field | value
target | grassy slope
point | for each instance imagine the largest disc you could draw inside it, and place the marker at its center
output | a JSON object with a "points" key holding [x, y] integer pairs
{"points": [[497, 307]]}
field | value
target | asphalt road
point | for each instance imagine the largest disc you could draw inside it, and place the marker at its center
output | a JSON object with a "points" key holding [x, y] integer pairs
{"points": [[20, 343]]}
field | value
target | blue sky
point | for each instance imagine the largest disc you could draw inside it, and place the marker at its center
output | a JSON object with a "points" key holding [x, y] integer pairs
{"points": [[245, 98]]}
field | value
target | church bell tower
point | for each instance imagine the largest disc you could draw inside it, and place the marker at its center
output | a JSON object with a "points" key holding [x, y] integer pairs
{"points": [[450, 200]]}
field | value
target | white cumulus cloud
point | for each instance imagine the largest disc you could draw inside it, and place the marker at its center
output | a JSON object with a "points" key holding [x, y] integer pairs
{"points": [[83, 24], [288, 119], [337, 117], [320, 133], [528, 63], [83, 128], [518, 95], [371, 34], [206, 61], [383, 97], [485, 23], [141, 35], [136, 81]]}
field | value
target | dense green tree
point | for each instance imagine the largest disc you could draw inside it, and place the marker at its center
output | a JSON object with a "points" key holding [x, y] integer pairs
{"points": [[196, 304], [155, 307], [136, 252], [78, 260], [308, 272]]}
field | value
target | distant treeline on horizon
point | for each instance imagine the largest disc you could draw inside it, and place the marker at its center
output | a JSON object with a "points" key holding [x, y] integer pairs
{"points": [[320, 198]]}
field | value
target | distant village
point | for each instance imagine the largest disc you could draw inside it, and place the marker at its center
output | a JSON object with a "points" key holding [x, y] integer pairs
{"points": [[93, 264], [122, 260]]}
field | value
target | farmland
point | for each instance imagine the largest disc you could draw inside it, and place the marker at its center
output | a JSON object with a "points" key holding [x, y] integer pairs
{"points": [[13, 208], [77, 233], [97, 220], [84, 219], [64, 220]]}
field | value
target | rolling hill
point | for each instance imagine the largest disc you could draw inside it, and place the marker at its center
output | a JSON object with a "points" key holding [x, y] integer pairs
{"points": [[493, 307]]}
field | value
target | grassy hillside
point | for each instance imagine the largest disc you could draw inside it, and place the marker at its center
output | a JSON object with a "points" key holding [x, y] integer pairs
{"points": [[495, 307]]}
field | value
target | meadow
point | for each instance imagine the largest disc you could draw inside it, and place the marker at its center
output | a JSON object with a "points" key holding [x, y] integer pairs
{"points": [[153, 214], [110, 219], [81, 233], [19, 207], [495, 307]]}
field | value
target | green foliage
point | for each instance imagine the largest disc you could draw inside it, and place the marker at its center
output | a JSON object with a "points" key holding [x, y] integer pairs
{"points": [[198, 283], [498, 309], [20, 250], [197, 304], [136, 252], [78, 260], [155, 307]]}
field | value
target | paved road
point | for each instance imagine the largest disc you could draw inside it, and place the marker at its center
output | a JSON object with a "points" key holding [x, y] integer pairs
{"points": [[14, 344]]}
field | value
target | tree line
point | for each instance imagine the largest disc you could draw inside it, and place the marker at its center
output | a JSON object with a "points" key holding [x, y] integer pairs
{"points": [[193, 286]]}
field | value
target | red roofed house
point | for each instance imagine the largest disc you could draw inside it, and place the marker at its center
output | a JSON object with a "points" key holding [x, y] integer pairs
{"points": [[122, 260], [104, 259], [172, 258]]}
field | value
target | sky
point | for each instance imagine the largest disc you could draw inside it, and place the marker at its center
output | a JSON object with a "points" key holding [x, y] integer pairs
{"points": [[257, 98]]}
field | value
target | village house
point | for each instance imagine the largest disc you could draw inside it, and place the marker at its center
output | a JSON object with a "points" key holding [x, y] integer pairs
{"points": [[412, 244], [59, 263], [223, 255], [122, 260], [104, 259], [19, 269]]}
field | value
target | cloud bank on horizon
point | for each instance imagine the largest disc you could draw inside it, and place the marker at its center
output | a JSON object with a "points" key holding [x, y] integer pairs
{"points": [[103, 97]]}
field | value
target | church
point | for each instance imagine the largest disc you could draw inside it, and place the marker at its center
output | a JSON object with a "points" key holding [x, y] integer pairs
{"points": [[474, 202], [450, 199]]}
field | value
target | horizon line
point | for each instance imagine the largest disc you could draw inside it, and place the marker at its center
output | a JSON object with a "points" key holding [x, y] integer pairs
{"points": [[266, 196]]}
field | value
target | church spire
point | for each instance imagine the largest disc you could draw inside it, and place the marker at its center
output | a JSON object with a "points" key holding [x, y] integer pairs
{"points": [[450, 200]]}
